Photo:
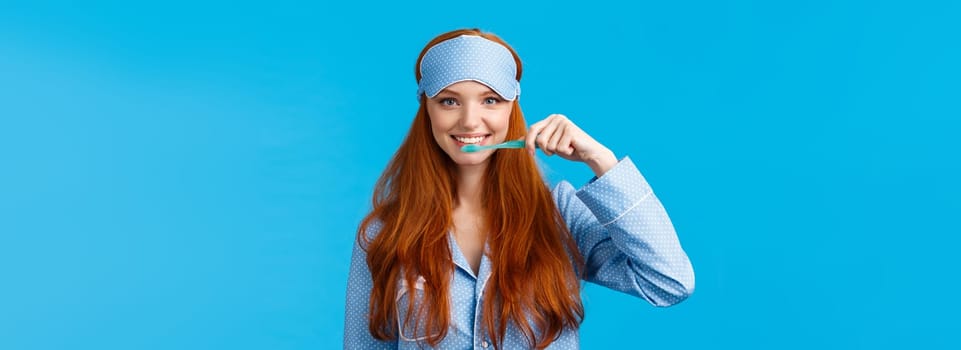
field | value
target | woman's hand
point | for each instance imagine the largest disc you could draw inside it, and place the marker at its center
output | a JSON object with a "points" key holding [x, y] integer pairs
{"points": [[558, 135]]}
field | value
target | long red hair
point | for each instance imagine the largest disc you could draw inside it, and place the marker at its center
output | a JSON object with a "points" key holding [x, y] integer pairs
{"points": [[535, 264]]}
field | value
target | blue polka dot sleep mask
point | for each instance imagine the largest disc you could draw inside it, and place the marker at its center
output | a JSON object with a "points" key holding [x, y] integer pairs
{"points": [[469, 57]]}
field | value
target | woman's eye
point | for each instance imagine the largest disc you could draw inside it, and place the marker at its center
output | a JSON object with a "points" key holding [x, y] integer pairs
{"points": [[448, 102], [491, 100]]}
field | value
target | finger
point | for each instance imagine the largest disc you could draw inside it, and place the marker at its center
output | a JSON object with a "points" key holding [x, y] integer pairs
{"points": [[543, 139], [532, 132], [554, 141], [566, 144], [561, 124]]}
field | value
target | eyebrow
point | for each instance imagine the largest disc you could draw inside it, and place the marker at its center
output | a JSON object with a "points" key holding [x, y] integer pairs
{"points": [[447, 92], [455, 93]]}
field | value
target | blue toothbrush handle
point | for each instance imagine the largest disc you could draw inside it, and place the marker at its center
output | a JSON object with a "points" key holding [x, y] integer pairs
{"points": [[512, 144], [508, 144]]}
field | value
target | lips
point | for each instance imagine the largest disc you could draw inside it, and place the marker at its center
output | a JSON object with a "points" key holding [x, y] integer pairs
{"points": [[469, 140], [473, 139]]}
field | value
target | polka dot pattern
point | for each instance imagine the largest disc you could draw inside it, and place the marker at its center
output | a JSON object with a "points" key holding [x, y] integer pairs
{"points": [[626, 236], [620, 227], [469, 57]]}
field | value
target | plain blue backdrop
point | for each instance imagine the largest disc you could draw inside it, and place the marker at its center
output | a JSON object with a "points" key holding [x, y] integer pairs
{"points": [[181, 175]]}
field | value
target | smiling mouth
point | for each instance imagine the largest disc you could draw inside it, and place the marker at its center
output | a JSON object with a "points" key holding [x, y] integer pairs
{"points": [[473, 140]]}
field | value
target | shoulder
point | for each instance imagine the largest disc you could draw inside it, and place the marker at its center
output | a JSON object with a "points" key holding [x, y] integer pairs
{"points": [[563, 193], [562, 190], [370, 231]]}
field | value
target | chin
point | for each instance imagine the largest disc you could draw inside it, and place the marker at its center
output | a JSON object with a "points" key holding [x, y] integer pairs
{"points": [[468, 159]]}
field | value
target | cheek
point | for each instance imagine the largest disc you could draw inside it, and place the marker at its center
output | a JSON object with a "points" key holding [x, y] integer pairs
{"points": [[501, 122], [437, 125]]}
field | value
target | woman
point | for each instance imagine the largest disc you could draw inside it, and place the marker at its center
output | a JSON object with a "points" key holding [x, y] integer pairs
{"points": [[473, 249]]}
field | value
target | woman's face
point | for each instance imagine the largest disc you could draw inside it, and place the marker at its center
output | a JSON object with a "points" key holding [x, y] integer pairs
{"points": [[465, 113]]}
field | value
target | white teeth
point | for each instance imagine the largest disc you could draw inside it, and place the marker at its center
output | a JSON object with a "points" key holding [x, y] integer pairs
{"points": [[469, 139]]}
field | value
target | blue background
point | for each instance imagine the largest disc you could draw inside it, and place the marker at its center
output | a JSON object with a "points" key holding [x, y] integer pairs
{"points": [[190, 176]]}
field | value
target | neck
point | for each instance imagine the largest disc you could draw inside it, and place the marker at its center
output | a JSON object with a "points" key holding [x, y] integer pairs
{"points": [[470, 184]]}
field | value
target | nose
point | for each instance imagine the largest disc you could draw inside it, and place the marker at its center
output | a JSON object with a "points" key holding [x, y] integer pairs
{"points": [[471, 117]]}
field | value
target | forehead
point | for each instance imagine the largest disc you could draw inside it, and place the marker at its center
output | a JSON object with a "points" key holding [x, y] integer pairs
{"points": [[467, 87]]}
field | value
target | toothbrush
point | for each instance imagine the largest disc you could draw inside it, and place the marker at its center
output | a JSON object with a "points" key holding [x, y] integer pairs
{"points": [[508, 144]]}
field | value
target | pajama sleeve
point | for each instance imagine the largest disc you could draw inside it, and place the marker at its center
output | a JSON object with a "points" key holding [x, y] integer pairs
{"points": [[626, 237]]}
